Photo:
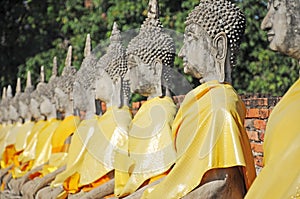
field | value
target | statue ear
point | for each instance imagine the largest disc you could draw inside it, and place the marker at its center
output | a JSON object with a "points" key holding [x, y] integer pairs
{"points": [[118, 86], [157, 67], [220, 43]]}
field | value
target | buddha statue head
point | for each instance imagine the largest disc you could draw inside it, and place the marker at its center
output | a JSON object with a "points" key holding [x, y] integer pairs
{"points": [[111, 87], [24, 100], [13, 102], [64, 89], [42, 101], [213, 33], [150, 55], [282, 23], [84, 85], [34, 107]]}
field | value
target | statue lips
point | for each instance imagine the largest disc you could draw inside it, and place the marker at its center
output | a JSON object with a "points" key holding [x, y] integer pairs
{"points": [[270, 35]]}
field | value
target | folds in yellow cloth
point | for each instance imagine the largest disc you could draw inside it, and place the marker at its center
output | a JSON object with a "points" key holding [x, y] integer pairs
{"points": [[280, 177], [24, 132], [151, 148], [38, 149], [43, 146], [209, 133], [58, 156], [93, 147], [4, 132], [10, 149], [29, 151]]}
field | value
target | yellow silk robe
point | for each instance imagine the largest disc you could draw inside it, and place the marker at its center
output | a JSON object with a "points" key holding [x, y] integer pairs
{"points": [[209, 133], [58, 156], [151, 148], [43, 146], [280, 177], [92, 149], [10, 150], [24, 132], [4, 132], [39, 147]]}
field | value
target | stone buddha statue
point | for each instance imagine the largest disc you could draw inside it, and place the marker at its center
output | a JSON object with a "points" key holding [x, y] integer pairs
{"points": [[151, 151], [84, 85], [9, 151], [214, 158], [280, 176], [60, 139], [24, 102], [95, 143], [38, 150]]}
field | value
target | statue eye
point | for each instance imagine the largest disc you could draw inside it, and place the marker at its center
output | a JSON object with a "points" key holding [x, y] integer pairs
{"points": [[276, 4], [269, 5]]}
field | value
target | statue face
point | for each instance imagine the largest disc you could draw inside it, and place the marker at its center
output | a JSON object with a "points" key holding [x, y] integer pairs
{"points": [[145, 79], [13, 114], [23, 109], [196, 52], [35, 108], [62, 100], [46, 107], [104, 87], [282, 23]]}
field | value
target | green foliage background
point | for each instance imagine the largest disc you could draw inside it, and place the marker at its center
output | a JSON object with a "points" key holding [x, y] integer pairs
{"points": [[34, 31]]}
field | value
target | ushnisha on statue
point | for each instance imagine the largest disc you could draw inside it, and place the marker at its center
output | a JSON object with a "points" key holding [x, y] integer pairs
{"points": [[280, 176], [60, 139], [150, 146], [213, 151], [95, 143]]}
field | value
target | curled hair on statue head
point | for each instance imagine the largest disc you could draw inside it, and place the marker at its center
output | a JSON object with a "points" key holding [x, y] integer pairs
{"points": [[216, 16]]}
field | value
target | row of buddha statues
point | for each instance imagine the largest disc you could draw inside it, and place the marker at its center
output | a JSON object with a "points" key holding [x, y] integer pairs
{"points": [[53, 144]]}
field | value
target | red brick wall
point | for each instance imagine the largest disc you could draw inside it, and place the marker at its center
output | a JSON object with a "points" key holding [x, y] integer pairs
{"points": [[258, 110], [258, 107]]}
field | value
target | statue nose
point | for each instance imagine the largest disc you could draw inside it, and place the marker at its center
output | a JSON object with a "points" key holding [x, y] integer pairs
{"points": [[266, 24], [181, 53]]}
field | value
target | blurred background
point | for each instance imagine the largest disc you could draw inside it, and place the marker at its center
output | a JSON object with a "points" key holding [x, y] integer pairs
{"points": [[32, 32]]}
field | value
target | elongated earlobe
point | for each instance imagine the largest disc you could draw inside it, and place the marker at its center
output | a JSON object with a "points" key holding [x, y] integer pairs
{"points": [[220, 43], [158, 73]]}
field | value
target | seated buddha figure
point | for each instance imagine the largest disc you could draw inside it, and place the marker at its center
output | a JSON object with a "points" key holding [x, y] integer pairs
{"points": [[94, 144], [17, 138], [83, 97], [150, 146], [280, 175], [38, 152], [214, 158], [60, 138], [9, 146]]}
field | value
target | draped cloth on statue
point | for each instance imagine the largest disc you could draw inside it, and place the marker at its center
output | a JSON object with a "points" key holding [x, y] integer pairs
{"points": [[93, 147], [10, 149], [151, 148], [209, 133], [280, 177], [58, 156], [4, 132], [24, 132], [38, 149], [43, 146], [29, 151]]}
